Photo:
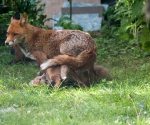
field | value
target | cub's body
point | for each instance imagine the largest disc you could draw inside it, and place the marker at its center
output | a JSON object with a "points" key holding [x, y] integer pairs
{"points": [[62, 74]]}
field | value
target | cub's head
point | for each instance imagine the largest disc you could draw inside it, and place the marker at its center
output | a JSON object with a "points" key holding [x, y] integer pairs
{"points": [[16, 31], [38, 81]]}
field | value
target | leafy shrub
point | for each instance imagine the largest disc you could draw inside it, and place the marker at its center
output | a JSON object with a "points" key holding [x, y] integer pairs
{"points": [[133, 25], [4, 24], [66, 23], [117, 41]]}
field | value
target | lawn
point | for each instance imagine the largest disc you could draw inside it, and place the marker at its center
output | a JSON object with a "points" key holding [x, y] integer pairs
{"points": [[122, 101]]}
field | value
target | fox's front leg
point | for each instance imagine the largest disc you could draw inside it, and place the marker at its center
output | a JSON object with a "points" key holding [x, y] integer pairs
{"points": [[18, 54], [40, 56]]}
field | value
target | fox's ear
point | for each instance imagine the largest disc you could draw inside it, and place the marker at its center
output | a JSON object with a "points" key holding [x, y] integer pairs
{"points": [[24, 19], [16, 16]]}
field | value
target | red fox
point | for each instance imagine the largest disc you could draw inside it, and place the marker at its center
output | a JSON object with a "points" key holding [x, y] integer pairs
{"points": [[62, 74], [61, 47]]}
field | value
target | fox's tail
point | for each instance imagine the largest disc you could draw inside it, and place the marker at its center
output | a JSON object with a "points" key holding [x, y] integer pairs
{"points": [[84, 60]]}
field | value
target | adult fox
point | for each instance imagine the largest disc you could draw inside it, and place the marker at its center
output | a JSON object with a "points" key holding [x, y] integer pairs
{"points": [[60, 46]]}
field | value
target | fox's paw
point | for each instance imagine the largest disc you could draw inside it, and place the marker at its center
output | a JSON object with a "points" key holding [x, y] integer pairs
{"points": [[45, 65], [64, 77]]}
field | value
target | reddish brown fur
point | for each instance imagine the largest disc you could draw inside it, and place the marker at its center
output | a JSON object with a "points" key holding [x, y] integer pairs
{"points": [[38, 81], [102, 73], [50, 42], [89, 57], [54, 75], [62, 47]]}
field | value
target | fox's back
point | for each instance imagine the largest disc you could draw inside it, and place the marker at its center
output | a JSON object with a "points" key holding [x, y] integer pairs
{"points": [[55, 42], [72, 42]]}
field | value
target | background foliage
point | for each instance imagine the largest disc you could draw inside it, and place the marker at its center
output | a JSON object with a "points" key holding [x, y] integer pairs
{"points": [[66, 23], [133, 25]]}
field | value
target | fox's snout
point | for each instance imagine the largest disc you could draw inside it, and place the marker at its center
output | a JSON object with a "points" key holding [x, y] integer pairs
{"points": [[6, 43], [9, 43]]}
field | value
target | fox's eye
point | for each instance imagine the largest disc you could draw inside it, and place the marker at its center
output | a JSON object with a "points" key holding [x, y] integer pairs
{"points": [[15, 34]]}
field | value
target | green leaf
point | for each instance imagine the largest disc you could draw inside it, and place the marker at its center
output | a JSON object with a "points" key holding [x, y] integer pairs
{"points": [[125, 27], [74, 26], [124, 36], [145, 39], [137, 7], [146, 46], [64, 18], [66, 25], [124, 21]]}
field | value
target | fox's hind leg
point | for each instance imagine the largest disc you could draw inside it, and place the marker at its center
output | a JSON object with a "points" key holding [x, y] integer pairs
{"points": [[66, 72]]}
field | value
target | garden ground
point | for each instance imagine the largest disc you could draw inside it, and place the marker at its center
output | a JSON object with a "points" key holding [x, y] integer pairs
{"points": [[124, 100]]}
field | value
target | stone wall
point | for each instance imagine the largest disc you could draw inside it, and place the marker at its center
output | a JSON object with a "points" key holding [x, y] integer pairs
{"points": [[54, 7]]}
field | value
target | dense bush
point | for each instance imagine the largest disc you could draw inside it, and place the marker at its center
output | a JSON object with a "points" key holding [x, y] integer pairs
{"points": [[133, 24], [124, 30], [4, 20]]}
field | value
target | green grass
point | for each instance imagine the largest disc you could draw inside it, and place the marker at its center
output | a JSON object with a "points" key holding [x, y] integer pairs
{"points": [[123, 101]]}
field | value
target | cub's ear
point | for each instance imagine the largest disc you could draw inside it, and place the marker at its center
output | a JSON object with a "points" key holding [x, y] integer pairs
{"points": [[24, 19], [16, 16]]}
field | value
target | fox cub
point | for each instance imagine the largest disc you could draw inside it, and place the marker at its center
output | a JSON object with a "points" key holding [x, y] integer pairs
{"points": [[62, 74]]}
